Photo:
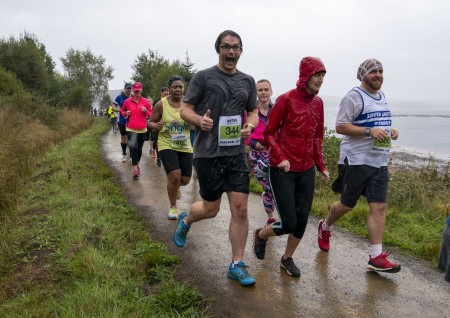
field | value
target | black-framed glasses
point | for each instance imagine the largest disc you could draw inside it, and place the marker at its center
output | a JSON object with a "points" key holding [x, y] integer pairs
{"points": [[226, 47]]}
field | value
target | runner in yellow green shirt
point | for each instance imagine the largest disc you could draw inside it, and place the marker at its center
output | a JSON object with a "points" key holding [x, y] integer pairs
{"points": [[174, 145]]}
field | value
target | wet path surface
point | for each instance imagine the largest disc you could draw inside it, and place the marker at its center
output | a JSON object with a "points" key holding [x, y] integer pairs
{"points": [[333, 284]]}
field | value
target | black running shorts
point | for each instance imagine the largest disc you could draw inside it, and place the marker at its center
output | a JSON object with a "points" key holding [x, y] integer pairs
{"points": [[222, 174], [173, 160], [122, 129], [354, 181]]}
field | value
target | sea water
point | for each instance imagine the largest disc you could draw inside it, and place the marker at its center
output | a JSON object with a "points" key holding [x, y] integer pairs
{"points": [[424, 127]]}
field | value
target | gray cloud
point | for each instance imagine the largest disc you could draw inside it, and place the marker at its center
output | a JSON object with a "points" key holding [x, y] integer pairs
{"points": [[409, 37]]}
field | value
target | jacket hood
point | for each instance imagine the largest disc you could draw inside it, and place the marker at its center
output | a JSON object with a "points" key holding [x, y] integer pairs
{"points": [[308, 67]]}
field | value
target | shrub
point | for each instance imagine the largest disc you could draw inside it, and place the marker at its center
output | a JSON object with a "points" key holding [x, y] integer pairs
{"points": [[9, 83]]}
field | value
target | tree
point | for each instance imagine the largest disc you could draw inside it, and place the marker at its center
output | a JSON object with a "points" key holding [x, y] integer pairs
{"points": [[145, 67], [105, 101], [28, 59], [9, 83], [153, 71], [188, 71], [161, 77], [86, 71]]}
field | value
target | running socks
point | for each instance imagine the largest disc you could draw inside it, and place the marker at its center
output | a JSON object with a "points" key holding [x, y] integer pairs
{"points": [[326, 227], [124, 148], [376, 250]]}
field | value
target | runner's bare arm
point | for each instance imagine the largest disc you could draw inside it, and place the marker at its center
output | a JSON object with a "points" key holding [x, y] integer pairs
{"points": [[188, 114], [156, 117]]}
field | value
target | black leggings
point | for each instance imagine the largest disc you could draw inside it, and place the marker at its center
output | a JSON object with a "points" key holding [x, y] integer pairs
{"points": [[135, 142], [293, 193]]}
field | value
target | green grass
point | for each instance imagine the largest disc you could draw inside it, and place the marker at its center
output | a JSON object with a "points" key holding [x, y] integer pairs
{"points": [[74, 247]]}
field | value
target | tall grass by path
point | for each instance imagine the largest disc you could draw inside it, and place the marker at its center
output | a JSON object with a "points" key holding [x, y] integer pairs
{"points": [[74, 247], [24, 139]]}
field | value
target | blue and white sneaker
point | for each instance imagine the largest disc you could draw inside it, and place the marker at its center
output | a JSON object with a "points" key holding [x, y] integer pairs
{"points": [[239, 273], [179, 237]]}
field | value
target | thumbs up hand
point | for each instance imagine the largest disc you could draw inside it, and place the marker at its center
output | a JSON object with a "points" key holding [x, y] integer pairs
{"points": [[206, 122]]}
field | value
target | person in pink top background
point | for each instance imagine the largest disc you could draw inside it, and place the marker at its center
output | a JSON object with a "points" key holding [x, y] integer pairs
{"points": [[136, 109], [258, 153]]}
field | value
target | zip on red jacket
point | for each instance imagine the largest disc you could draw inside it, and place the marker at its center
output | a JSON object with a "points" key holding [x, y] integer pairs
{"points": [[295, 125]]}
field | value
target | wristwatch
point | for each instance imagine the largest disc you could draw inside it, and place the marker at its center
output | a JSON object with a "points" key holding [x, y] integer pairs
{"points": [[367, 131]]}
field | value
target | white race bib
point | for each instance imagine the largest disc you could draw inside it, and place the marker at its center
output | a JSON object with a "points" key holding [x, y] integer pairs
{"points": [[179, 141], [384, 145], [230, 130]]}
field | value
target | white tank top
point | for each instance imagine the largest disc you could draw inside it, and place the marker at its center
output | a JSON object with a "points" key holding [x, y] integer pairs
{"points": [[369, 111]]}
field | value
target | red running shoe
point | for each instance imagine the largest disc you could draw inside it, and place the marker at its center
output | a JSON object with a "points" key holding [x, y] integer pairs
{"points": [[382, 264], [323, 237], [135, 173]]}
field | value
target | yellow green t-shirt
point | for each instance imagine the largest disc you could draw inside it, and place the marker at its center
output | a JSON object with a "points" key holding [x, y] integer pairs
{"points": [[175, 133]]}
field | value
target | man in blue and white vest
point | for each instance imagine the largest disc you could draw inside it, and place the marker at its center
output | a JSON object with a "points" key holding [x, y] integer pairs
{"points": [[365, 121]]}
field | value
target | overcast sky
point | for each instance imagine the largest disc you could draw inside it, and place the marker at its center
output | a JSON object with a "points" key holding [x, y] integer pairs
{"points": [[410, 37]]}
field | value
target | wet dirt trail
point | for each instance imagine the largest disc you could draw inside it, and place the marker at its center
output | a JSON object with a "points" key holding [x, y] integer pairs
{"points": [[333, 284]]}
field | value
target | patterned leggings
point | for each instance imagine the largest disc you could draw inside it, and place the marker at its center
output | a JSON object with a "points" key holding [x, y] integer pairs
{"points": [[268, 201]]}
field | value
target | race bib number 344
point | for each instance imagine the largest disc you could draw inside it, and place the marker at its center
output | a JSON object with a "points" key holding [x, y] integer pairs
{"points": [[230, 130]]}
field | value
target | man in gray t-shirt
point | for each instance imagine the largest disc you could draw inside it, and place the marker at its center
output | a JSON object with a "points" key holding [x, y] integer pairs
{"points": [[216, 101], [224, 95]]}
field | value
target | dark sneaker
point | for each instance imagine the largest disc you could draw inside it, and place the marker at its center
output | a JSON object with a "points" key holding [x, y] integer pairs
{"points": [[323, 237], [179, 237], [259, 245], [289, 266], [270, 221], [382, 264], [239, 273]]}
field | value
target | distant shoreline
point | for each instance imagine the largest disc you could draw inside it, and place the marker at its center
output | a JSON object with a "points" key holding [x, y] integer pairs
{"points": [[401, 157]]}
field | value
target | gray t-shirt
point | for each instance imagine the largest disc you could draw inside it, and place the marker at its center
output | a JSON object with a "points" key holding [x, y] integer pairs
{"points": [[228, 97]]}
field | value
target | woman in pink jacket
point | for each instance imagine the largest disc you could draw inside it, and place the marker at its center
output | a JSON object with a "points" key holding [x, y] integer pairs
{"points": [[258, 153], [294, 134], [136, 109]]}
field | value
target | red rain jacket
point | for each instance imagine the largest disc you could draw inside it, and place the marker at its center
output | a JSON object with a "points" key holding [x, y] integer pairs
{"points": [[294, 129]]}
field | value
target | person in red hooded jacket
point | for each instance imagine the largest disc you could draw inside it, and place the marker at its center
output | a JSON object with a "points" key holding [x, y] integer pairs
{"points": [[294, 134]]}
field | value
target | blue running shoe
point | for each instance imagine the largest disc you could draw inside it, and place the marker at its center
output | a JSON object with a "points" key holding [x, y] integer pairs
{"points": [[239, 273], [179, 237]]}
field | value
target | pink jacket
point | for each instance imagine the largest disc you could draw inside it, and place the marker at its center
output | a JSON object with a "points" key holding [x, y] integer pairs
{"points": [[137, 120]]}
